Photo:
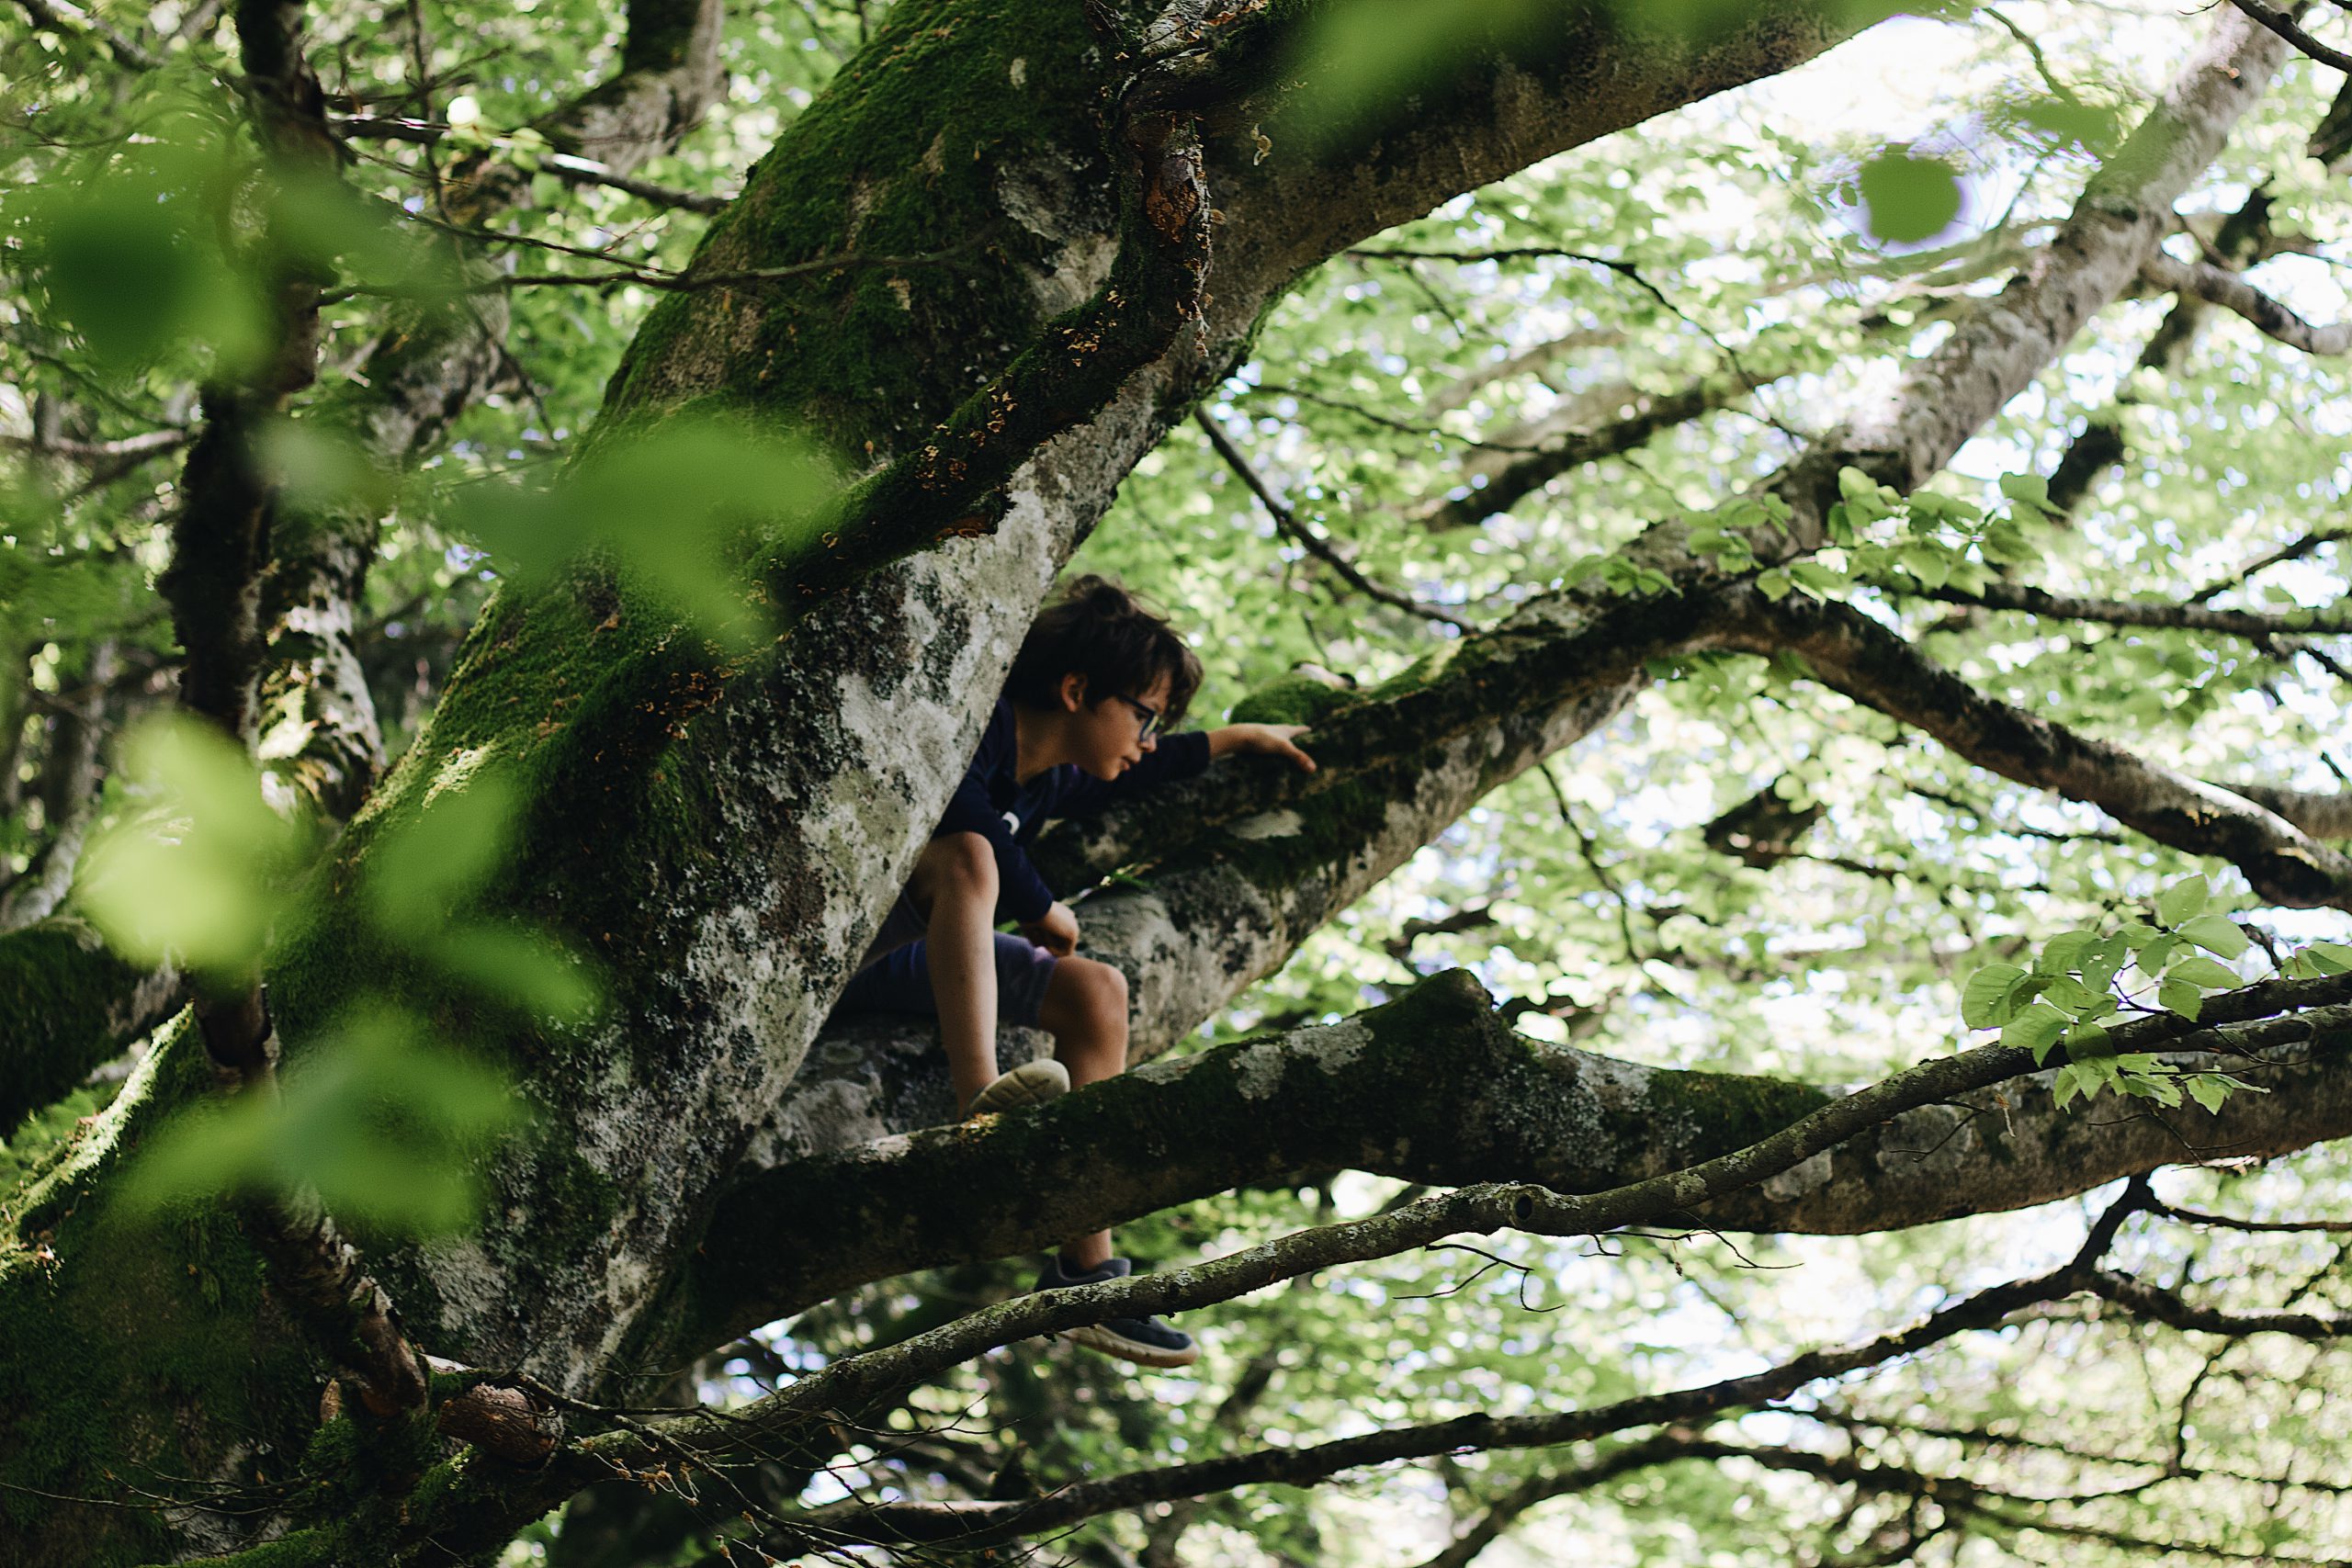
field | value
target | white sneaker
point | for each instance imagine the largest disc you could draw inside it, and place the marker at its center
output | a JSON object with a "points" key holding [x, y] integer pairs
{"points": [[1031, 1083]]}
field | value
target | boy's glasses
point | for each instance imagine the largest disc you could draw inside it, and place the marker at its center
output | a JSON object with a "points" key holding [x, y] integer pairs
{"points": [[1147, 718]]}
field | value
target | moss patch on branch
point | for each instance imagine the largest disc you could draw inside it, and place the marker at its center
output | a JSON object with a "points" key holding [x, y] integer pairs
{"points": [[957, 113], [169, 1335]]}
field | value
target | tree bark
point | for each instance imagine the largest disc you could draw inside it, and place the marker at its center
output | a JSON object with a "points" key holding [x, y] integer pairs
{"points": [[722, 834]]}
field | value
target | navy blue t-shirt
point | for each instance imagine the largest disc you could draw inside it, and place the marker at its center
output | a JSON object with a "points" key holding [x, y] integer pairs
{"points": [[994, 804]]}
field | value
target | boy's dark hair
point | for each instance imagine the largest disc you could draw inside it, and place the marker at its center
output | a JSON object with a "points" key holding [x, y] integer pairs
{"points": [[1121, 645]]}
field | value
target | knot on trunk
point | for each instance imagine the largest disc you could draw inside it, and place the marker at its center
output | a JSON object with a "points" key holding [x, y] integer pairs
{"points": [[504, 1423]]}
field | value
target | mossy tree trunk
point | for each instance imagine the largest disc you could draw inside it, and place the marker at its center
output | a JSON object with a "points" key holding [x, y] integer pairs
{"points": [[723, 834]]}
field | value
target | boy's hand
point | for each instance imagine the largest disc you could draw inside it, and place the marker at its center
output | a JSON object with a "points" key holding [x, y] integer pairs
{"points": [[1056, 930], [1264, 740]]}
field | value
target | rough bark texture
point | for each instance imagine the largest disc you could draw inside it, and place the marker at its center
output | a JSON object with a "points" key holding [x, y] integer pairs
{"points": [[721, 835], [69, 1005], [1361, 1095], [433, 364], [765, 863]]}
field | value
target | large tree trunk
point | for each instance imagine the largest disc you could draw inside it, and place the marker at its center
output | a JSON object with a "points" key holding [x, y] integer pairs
{"points": [[723, 835]]}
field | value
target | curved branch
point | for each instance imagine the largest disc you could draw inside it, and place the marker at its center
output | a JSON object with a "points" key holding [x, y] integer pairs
{"points": [[2169, 1307], [1313, 543], [1653, 413], [2218, 286], [2283, 24], [2253, 624], [1876, 667], [1432, 1089]]}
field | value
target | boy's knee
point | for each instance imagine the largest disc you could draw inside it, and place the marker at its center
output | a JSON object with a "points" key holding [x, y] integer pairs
{"points": [[1097, 994], [957, 862]]}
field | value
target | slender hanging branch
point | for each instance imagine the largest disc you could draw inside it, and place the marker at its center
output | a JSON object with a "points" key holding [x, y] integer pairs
{"points": [[569, 167], [1314, 543]]}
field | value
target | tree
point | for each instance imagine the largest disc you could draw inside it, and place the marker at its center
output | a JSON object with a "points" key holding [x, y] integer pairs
{"points": [[1010, 255]]}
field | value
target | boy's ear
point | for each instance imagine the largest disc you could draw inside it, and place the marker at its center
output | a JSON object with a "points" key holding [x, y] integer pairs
{"points": [[1072, 692]]}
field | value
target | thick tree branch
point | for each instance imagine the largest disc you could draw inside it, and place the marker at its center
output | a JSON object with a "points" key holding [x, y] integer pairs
{"points": [[1432, 1089], [68, 1005], [2240, 242], [1848, 650]]}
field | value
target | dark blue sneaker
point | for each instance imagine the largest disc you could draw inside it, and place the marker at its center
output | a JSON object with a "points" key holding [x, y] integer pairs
{"points": [[1147, 1341]]}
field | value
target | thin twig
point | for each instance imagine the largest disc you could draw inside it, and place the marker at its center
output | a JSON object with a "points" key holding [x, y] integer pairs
{"points": [[1322, 549]]}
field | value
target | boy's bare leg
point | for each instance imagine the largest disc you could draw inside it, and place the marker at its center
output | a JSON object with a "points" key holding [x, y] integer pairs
{"points": [[955, 883], [1085, 1009]]}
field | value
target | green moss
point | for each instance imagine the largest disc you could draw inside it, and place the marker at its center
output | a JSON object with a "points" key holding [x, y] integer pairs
{"points": [[169, 1336], [901, 157], [1313, 835], [46, 1135], [1293, 699], [1732, 1109], [301, 1549], [60, 989]]}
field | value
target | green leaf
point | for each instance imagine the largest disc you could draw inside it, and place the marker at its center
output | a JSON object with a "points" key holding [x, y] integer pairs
{"points": [[2071, 121], [2196, 969], [2180, 997], [2181, 900], [1773, 584], [2068, 995], [2206, 1090], [2064, 950], [420, 875], [522, 967], [199, 874], [1818, 576], [2028, 490], [2087, 1039], [2035, 1028], [1907, 199], [2157, 954], [2071, 1081], [2217, 934], [2006, 542], [2329, 957], [1860, 490], [382, 1124], [1985, 1000]]}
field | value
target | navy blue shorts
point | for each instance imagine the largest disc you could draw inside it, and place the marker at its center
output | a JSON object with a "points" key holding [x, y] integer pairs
{"points": [[897, 975]]}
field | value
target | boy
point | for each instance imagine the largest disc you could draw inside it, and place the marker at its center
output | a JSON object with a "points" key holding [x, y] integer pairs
{"points": [[1080, 725]]}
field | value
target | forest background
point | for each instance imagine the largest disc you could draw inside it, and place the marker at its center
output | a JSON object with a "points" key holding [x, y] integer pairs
{"points": [[380, 307]]}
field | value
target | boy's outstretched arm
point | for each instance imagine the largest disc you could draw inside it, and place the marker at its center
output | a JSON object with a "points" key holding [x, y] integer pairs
{"points": [[1265, 740]]}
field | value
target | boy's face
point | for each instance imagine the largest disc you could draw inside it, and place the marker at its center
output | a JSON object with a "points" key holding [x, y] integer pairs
{"points": [[1107, 733]]}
